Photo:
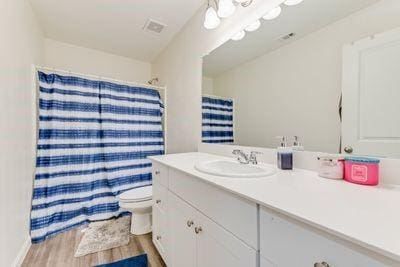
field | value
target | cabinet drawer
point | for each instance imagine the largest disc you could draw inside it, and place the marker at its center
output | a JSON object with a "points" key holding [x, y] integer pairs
{"points": [[160, 196], [284, 242], [160, 174], [235, 214]]}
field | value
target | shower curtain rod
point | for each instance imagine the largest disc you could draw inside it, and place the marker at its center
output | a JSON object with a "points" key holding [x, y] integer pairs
{"points": [[100, 77]]}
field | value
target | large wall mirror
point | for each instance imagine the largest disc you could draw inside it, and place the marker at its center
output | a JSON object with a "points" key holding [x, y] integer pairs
{"points": [[327, 71]]}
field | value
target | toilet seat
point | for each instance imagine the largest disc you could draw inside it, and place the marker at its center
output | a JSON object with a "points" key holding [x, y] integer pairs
{"points": [[139, 194]]}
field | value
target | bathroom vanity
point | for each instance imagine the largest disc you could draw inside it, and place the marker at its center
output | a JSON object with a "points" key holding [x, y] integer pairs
{"points": [[290, 218]]}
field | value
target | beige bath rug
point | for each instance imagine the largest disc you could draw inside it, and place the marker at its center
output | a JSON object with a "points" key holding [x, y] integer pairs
{"points": [[103, 235]]}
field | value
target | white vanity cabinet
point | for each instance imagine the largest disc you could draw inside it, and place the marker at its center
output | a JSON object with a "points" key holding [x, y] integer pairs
{"points": [[284, 242], [198, 225]]}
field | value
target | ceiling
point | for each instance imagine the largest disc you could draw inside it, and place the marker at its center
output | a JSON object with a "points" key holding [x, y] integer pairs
{"points": [[114, 26], [302, 19]]}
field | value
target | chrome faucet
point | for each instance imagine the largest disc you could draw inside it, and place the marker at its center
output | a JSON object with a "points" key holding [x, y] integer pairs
{"points": [[243, 158], [253, 157]]}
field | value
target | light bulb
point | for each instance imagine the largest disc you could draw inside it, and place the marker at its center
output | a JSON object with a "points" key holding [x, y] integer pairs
{"points": [[226, 8], [273, 14], [254, 26], [292, 2], [211, 20], [239, 36]]}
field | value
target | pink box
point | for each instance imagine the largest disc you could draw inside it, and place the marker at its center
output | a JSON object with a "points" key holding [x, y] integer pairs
{"points": [[360, 170]]}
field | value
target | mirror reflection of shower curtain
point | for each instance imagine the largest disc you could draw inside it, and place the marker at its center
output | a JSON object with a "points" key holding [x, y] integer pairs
{"points": [[217, 120], [94, 139]]}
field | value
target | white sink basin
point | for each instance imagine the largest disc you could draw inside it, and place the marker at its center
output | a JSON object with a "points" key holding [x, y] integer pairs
{"points": [[234, 169]]}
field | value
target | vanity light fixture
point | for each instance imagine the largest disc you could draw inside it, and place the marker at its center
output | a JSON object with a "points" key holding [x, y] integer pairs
{"points": [[273, 14], [222, 9], [292, 2], [211, 19], [239, 36], [225, 8], [244, 3], [253, 26]]}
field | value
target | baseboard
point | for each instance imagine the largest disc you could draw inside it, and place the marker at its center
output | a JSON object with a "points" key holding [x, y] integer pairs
{"points": [[22, 253]]}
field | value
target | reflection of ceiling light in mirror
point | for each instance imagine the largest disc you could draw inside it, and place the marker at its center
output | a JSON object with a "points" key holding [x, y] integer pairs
{"points": [[239, 36], [273, 14], [292, 2], [225, 8], [254, 26], [211, 20]]}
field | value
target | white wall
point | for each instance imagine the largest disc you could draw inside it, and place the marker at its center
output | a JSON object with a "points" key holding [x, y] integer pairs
{"points": [[295, 90], [74, 58], [179, 67], [207, 86], [20, 46]]}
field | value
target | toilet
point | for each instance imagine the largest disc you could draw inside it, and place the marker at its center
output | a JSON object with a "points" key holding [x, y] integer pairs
{"points": [[139, 202]]}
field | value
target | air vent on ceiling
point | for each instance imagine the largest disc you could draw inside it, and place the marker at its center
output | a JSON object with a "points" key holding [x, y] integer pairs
{"points": [[154, 26], [287, 37]]}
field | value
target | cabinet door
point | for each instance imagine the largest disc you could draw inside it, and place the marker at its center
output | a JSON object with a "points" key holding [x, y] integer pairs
{"points": [[217, 247], [182, 239], [160, 211], [287, 243], [159, 232]]}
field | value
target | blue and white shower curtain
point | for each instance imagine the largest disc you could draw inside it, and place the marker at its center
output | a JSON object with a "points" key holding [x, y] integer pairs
{"points": [[217, 120], [94, 139]]}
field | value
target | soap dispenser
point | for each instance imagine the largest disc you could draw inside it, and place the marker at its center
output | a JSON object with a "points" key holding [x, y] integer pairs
{"points": [[297, 145], [284, 155]]}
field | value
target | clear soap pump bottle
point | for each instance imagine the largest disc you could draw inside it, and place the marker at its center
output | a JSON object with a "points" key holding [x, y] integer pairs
{"points": [[284, 155]]}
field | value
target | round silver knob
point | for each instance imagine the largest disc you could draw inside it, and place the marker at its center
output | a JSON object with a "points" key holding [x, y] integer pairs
{"points": [[197, 230], [348, 149], [157, 172], [321, 264], [189, 223]]}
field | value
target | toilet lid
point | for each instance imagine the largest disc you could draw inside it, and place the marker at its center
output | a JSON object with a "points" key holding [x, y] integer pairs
{"points": [[137, 194]]}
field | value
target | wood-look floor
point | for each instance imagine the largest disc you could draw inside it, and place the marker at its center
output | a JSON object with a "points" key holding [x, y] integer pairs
{"points": [[59, 252]]}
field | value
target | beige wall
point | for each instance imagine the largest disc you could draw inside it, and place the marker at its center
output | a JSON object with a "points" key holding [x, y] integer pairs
{"points": [[179, 67], [207, 86], [20, 47], [297, 87], [89, 61]]}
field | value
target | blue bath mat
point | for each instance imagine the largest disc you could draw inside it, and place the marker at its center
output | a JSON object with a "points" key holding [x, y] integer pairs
{"points": [[138, 261]]}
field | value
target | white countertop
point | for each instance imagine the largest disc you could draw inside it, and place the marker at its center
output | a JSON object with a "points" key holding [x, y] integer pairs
{"points": [[367, 216]]}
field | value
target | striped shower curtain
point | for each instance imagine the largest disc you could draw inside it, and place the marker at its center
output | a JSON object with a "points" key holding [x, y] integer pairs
{"points": [[217, 120], [94, 139]]}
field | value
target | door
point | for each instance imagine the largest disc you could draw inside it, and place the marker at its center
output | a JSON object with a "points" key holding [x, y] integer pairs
{"points": [[182, 239], [217, 247], [371, 93]]}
